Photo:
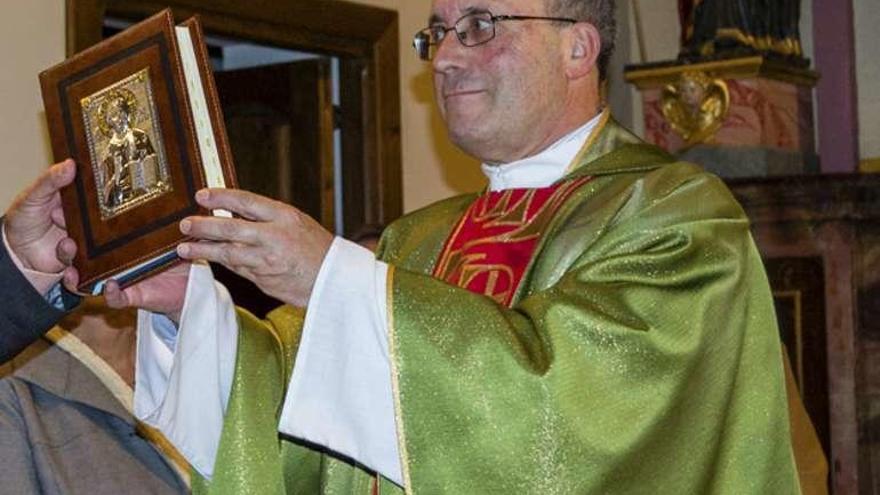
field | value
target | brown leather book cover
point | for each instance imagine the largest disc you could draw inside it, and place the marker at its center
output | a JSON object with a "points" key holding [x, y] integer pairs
{"points": [[139, 114]]}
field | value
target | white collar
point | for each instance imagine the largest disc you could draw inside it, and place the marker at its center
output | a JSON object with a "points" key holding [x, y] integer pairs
{"points": [[544, 168]]}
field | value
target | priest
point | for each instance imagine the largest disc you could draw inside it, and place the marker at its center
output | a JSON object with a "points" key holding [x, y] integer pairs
{"points": [[597, 320]]}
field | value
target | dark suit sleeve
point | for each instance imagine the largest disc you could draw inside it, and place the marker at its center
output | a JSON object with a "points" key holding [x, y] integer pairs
{"points": [[24, 314]]}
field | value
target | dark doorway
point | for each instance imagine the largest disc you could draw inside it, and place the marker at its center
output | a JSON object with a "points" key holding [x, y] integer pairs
{"points": [[799, 297], [281, 118]]}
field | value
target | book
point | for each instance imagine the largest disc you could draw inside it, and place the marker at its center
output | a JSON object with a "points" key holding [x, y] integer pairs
{"points": [[139, 114]]}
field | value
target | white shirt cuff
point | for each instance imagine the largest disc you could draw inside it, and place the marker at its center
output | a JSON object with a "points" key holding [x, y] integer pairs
{"points": [[340, 392], [182, 387], [40, 281]]}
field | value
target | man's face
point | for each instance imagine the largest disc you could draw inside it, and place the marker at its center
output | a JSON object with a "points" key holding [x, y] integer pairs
{"points": [[117, 117], [501, 100]]}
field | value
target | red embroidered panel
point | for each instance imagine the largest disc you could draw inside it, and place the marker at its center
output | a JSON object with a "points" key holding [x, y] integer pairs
{"points": [[490, 248]]}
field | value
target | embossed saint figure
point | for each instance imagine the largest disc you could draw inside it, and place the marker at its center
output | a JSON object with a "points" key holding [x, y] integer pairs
{"points": [[130, 165]]}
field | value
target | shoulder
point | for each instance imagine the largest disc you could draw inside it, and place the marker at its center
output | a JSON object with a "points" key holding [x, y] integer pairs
{"points": [[684, 186], [12, 390], [441, 209], [614, 209], [36, 372], [701, 190]]}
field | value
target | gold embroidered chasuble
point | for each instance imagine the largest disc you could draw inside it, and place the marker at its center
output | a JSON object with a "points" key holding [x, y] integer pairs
{"points": [[491, 245], [639, 352]]}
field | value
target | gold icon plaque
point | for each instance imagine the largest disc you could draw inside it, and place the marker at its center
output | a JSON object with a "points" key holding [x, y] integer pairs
{"points": [[125, 143]]}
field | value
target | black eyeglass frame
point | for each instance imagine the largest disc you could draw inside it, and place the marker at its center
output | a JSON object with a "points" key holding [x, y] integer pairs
{"points": [[422, 39]]}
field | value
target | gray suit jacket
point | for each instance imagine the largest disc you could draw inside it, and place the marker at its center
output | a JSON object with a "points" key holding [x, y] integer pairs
{"points": [[63, 432]]}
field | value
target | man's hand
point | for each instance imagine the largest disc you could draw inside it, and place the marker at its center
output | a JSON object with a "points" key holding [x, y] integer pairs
{"points": [[161, 293], [274, 245], [35, 228]]}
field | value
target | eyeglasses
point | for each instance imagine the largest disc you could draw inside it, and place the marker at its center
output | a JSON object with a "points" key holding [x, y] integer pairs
{"points": [[471, 29]]}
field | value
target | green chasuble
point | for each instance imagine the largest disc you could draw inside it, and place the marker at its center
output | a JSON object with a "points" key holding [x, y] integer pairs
{"points": [[639, 354]]}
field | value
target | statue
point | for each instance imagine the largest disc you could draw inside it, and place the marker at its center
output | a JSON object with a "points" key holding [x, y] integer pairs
{"points": [[722, 28], [695, 106], [737, 99], [686, 20]]}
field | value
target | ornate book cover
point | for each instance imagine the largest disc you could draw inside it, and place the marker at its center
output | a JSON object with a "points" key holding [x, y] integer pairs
{"points": [[139, 114]]}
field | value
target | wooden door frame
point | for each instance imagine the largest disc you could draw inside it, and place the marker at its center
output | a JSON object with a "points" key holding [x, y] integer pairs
{"points": [[364, 38]]}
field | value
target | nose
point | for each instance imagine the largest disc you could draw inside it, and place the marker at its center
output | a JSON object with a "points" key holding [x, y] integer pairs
{"points": [[448, 55]]}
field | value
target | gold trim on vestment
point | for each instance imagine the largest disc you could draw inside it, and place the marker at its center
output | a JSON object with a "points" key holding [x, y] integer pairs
{"points": [[395, 386], [523, 227], [604, 118], [591, 139], [443, 260]]}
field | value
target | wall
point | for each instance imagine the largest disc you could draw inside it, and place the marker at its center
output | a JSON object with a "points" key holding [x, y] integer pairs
{"points": [[867, 17], [433, 168], [32, 32], [659, 26]]}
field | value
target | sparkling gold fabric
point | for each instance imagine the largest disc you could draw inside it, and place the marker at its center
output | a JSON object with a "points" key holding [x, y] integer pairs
{"points": [[248, 459], [639, 355]]}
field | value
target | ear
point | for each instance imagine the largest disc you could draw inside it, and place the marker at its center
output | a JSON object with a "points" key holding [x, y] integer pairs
{"points": [[582, 49]]}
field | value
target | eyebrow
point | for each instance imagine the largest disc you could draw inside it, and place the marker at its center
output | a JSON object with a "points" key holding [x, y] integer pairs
{"points": [[437, 19]]}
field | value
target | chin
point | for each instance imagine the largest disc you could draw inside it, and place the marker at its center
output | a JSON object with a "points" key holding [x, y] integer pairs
{"points": [[461, 128], [464, 116], [474, 144], [470, 131]]}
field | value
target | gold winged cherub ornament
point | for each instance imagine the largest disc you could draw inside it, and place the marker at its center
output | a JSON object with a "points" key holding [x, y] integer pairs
{"points": [[695, 106]]}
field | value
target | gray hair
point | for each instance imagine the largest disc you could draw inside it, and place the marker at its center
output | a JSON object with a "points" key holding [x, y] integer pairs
{"points": [[599, 13]]}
